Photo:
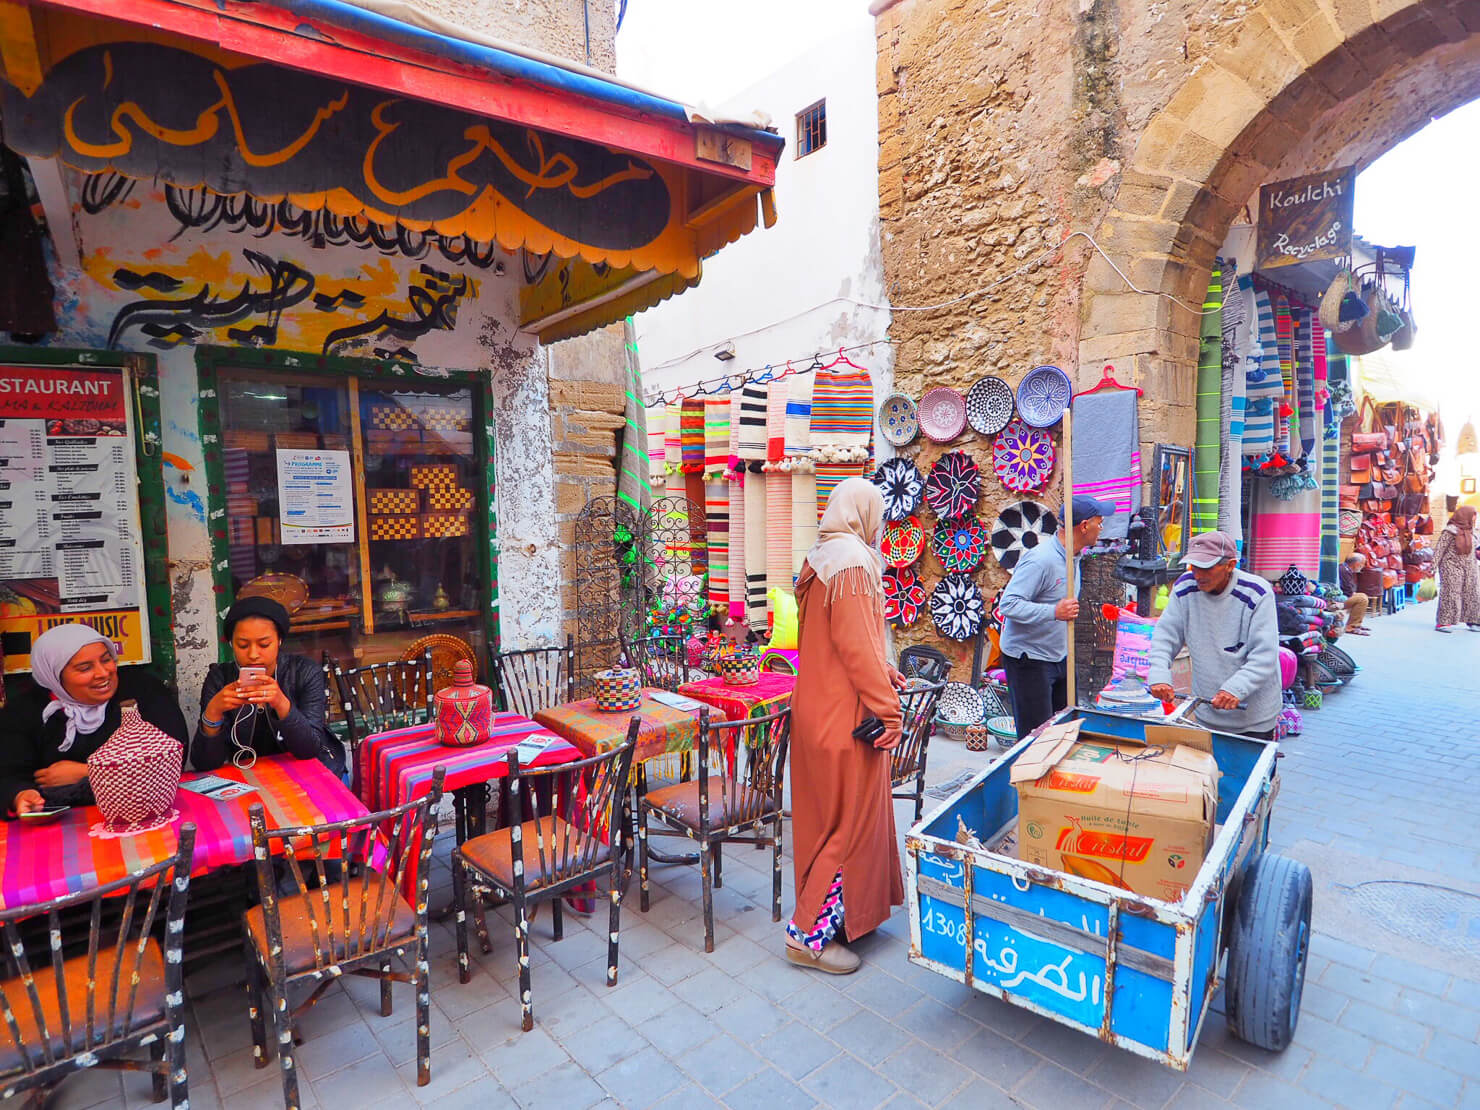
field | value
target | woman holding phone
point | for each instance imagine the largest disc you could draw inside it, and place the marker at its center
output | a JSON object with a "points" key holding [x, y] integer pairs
{"points": [[48, 731], [266, 701], [846, 720]]}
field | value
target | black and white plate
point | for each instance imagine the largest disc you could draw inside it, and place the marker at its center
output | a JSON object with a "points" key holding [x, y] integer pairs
{"points": [[961, 704], [989, 405], [1021, 527]]}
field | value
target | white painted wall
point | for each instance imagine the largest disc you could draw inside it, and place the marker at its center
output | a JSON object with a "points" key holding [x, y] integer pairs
{"points": [[784, 292]]}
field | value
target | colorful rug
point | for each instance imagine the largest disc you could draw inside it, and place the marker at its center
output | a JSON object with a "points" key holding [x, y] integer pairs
{"points": [[698, 522], [829, 475], [716, 435], [1330, 479], [691, 434], [842, 408], [780, 573], [736, 479], [751, 442], [1284, 533], [717, 523], [1207, 440], [1263, 387], [803, 516], [799, 416], [1107, 454], [757, 550], [657, 446], [1284, 333], [1236, 306], [1305, 381], [776, 420]]}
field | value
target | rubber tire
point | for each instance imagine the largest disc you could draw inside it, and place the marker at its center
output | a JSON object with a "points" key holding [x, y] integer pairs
{"points": [[1267, 950]]}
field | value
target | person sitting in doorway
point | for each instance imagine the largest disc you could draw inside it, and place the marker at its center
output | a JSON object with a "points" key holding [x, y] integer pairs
{"points": [[278, 706], [1356, 601], [1226, 618], [48, 731], [1035, 616]]}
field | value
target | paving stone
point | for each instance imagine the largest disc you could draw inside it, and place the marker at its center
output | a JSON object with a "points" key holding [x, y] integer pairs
{"points": [[709, 990], [1261, 1092], [268, 1095], [917, 1068], [1193, 1097], [1332, 1080], [454, 1066], [564, 1087], [936, 1024], [982, 1096], [1286, 1065], [599, 1046], [642, 1078], [1139, 1081], [338, 1048], [1361, 986], [769, 1090], [721, 1064], [847, 1081], [1217, 1072], [1414, 976], [995, 1058], [1321, 1001], [1385, 1026], [372, 1079], [678, 1030], [866, 1035], [1455, 1054], [1054, 1088], [797, 1050], [1459, 1020], [688, 1097], [881, 991], [1420, 1077], [1068, 1047], [1338, 1041], [750, 1017], [1339, 951], [519, 1058], [819, 1004]]}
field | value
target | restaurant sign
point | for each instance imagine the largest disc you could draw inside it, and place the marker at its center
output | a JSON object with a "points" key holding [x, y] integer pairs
{"points": [[70, 542], [1306, 219]]}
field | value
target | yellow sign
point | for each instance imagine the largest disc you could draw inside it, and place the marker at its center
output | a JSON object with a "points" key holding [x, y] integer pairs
{"points": [[122, 626]]}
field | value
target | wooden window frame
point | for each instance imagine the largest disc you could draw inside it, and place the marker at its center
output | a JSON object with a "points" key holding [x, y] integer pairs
{"points": [[812, 128]]}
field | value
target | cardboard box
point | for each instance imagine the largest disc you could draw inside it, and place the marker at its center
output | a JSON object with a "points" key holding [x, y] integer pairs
{"points": [[1130, 815]]}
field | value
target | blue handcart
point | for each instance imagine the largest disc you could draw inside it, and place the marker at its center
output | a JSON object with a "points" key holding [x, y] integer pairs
{"points": [[1137, 972]]}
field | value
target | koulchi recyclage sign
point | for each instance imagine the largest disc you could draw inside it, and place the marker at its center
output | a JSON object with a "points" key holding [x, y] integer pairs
{"points": [[1306, 218]]}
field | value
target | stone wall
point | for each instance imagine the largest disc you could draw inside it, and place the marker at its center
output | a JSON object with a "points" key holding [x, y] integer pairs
{"points": [[580, 30]]}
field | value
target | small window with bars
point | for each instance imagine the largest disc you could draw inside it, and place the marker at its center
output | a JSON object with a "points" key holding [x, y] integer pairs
{"points": [[811, 129]]}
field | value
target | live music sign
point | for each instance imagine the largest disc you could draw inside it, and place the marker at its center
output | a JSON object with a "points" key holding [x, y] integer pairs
{"points": [[1306, 218]]}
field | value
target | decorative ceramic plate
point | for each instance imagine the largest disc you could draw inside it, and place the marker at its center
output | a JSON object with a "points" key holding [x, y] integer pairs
{"points": [[288, 590], [960, 545], [899, 422], [989, 405], [1022, 457], [1021, 527], [900, 482], [960, 704], [957, 607], [904, 597], [942, 414], [953, 485], [903, 541], [1043, 395], [447, 651]]}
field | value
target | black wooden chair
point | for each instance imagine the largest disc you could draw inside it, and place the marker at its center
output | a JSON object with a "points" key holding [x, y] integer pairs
{"points": [[736, 797], [574, 840], [319, 920], [382, 696], [924, 661], [662, 660], [532, 679], [122, 992], [907, 766]]}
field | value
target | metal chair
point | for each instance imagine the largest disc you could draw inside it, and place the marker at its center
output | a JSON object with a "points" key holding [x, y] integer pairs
{"points": [[382, 696], [742, 771], [923, 661], [334, 919], [908, 759], [533, 679], [662, 660], [575, 839], [95, 1009]]}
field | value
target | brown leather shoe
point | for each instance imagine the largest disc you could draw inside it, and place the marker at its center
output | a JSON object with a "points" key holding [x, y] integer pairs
{"points": [[834, 959]]}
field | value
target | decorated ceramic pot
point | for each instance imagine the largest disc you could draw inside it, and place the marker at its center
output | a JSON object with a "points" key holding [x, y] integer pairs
{"points": [[464, 709], [618, 690], [135, 776]]}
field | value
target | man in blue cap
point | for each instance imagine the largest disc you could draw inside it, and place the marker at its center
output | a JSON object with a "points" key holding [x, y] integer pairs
{"points": [[1036, 610]]}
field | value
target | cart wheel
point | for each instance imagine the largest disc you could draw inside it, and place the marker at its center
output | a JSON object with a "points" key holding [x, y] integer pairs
{"points": [[1267, 951]]}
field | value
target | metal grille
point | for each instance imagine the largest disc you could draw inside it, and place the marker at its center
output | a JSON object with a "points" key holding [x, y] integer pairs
{"points": [[811, 128], [1438, 916]]}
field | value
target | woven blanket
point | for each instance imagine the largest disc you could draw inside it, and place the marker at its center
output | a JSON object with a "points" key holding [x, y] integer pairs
{"points": [[829, 475], [779, 571], [716, 435], [751, 442], [1285, 439], [803, 516], [757, 553], [799, 415], [1208, 438], [634, 466], [736, 479], [657, 445], [698, 523], [1282, 533], [776, 420], [691, 434], [1305, 380], [1107, 454], [717, 524], [842, 408], [1231, 405], [1320, 362], [1330, 479], [1262, 385]]}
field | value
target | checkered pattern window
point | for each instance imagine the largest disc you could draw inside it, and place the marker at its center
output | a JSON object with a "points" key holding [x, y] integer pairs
{"points": [[811, 129]]}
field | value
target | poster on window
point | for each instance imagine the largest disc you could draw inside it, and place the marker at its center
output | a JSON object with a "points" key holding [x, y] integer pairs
{"points": [[316, 500], [70, 544]]}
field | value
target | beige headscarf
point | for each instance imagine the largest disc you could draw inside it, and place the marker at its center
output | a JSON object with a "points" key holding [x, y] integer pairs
{"points": [[846, 553]]}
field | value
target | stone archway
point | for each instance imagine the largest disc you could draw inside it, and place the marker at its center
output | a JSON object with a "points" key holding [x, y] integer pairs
{"points": [[1304, 85]]}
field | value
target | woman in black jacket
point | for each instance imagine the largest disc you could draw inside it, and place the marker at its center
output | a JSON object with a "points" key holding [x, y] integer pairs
{"points": [[48, 731], [284, 712]]}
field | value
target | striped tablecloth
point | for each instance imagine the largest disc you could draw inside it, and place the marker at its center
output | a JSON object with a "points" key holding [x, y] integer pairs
{"points": [[42, 862], [396, 766], [664, 730], [736, 703]]}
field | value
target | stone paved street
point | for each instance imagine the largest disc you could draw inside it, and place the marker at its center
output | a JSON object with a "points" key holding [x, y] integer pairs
{"points": [[1381, 786]]}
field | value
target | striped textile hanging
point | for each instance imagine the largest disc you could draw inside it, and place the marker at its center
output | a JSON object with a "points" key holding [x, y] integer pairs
{"points": [[736, 477], [1285, 533], [1207, 443], [1330, 479], [698, 523], [830, 474], [842, 408], [799, 416], [634, 468], [657, 441], [757, 549], [779, 574], [1322, 370], [691, 434], [1231, 408], [673, 452], [803, 517], [1305, 381], [717, 524], [1262, 384], [776, 420], [751, 442], [1284, 331], [716, 435]]}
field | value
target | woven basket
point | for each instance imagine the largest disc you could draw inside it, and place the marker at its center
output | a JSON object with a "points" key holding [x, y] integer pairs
{"points": [[618, 690]]}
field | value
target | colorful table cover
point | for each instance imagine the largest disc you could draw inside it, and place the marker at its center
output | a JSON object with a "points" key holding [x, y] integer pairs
{"points": [[770, 695], [664, 730], [396, 766], [42, 862]]}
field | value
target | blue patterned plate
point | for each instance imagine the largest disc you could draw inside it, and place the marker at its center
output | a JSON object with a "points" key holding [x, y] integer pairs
{"points": [[1043, 395], [899, 423]]}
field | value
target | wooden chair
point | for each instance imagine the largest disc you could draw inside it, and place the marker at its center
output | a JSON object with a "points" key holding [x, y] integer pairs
{"points": [[533, 679], [575, 841], [334, 919], [742, 771], [382, 696], [662, 660], [908, 761], [96, 1008]]}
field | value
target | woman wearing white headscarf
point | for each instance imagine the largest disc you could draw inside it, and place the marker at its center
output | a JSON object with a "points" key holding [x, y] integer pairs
{"points": [[49, 730], [843, 838]]}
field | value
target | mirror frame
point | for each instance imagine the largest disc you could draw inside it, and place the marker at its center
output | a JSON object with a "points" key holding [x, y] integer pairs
{"points": [[1163, 455]]}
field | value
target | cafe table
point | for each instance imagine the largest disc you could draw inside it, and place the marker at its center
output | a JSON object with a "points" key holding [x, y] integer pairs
{"points": [[770, 695], [42, 862]]}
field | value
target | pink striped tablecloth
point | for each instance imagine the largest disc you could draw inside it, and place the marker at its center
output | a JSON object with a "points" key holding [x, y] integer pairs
{"points": [[770, 694], [41, 862], [396, 766]]}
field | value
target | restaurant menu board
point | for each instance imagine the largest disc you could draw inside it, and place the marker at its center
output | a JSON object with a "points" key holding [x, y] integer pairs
{"points": [[70, 545], [315, 497]]}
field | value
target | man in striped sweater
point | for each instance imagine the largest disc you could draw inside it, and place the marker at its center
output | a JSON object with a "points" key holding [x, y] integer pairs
{"points": [[1226, 618]]}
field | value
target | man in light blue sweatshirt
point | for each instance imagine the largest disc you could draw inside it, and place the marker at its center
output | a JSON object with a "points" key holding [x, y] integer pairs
{"points": [[1035, 614], [1226, 618]]}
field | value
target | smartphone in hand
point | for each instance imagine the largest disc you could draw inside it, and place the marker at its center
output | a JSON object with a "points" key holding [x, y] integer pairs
{"points": [[251, 676]]}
